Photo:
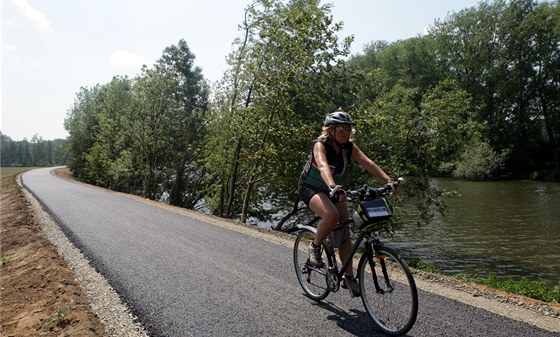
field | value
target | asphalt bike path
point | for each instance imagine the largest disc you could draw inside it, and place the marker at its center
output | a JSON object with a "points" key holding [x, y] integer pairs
{"points": [[186, 277]]}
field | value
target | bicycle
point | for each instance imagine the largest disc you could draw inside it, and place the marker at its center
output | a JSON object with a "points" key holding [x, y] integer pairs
{"points": [[387, 287]]}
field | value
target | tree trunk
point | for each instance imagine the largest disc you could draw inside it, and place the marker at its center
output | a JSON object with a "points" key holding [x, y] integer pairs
{"points": [[253, 178], [233, 182], [549, 128], [246, 197]]}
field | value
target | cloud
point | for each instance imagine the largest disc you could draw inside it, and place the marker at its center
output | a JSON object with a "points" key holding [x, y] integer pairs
{"points": [[38, 19], [125, 59], [16, 60], [8, 47]]}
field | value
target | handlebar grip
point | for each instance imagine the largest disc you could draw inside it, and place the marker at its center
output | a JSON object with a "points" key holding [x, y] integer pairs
{"points": [[369, 192], [352, 194]]}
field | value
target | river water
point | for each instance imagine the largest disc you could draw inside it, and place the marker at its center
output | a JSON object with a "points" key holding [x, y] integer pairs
{"points": [[508, 228]]}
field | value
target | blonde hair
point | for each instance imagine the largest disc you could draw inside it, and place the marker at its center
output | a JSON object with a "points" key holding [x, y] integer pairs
{"points": [[326, 129]]}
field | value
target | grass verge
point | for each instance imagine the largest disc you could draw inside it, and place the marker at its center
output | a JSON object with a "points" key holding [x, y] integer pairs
{"points": [[539, 290]]}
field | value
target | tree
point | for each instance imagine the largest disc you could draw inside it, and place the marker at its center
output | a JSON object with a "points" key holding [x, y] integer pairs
{"points": [[284, 46], [82, 123], [38, 152], [108, 160], [145, 135], [410, 63], [165, 125], [447, 121], [186, 178], [478, 161], [544, 22], [149, 116], [506, 57]]}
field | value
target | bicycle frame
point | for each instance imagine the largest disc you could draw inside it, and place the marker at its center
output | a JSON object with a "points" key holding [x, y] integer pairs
{"points": [[372, 241], [331, 253], [390, 300], [349, 257]]}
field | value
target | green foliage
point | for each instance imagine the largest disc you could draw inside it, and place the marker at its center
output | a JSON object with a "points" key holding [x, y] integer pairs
{"points": [[409, 134], [479, 95], [280, 74], [4, 261], [417, 263], [105, 158], [145, 135], [37, 152], [447, 120], [539, 289], [58, 317], [478, 161], [413, 134], [505, 55], [81, 123]]}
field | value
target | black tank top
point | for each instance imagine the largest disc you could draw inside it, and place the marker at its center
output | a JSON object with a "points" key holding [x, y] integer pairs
{"points": [[338, 163]]}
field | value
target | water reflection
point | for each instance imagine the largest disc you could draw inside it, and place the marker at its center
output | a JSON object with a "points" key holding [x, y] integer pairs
{"points": [[511, 229]]}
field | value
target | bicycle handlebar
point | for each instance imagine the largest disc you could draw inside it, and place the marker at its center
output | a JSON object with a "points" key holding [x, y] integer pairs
{"points": [[366, 192]]}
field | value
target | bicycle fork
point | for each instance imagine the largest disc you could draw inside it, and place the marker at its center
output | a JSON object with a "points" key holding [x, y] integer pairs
{"points": [[373, 255]]}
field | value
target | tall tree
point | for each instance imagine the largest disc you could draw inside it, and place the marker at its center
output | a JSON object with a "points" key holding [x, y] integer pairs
{"points": [[167, 129], [186, 178], [284, 46], [38, 152], [506, 56], [108, 160], [147, 122], [81, 123]]}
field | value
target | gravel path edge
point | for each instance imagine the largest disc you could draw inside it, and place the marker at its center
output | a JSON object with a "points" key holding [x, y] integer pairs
{"points": [[105, 302]]}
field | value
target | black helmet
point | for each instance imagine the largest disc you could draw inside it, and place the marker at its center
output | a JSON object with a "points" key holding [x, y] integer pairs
{"points": [[338, 117]]}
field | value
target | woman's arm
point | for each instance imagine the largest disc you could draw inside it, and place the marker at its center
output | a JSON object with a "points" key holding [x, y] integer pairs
{"points": [[320, 154], [368, 164]]}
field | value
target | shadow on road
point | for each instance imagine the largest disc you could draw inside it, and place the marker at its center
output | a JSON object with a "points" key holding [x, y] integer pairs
{"points": [[356, 322]]}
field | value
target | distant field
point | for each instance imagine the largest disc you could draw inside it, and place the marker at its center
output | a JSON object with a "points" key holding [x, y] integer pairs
{"points": [[12, 171]]}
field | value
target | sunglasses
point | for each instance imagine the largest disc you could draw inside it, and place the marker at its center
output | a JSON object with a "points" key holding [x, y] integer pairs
{"points": [[343, 128]]}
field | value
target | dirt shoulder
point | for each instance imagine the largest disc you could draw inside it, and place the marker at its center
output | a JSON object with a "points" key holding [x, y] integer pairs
{"points": [[36, 279], [40, 295]]}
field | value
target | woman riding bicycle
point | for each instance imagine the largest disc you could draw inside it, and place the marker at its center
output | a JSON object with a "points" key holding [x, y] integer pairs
{"points": [[319, 186]]}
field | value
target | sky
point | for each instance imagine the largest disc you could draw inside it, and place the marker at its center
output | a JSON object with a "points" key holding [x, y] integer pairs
{"points": [[52, 48]]}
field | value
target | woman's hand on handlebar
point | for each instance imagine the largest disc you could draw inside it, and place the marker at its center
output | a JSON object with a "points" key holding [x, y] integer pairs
{"points": [[393, 185], [337, 193]]}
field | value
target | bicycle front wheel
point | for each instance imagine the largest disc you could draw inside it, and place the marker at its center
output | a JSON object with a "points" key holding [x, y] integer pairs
{"points": [[313, 280], [388, 290]]}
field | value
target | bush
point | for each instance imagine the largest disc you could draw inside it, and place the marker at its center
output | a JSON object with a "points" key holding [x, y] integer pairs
{"points": [[479, 161]]}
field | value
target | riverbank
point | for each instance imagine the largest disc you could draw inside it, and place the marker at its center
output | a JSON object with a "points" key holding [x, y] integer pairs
{"points": [[116, 318]]}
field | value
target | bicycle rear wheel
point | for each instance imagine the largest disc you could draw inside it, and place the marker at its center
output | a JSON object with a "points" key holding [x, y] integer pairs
{"points": [[313, 280], [389, 292]]}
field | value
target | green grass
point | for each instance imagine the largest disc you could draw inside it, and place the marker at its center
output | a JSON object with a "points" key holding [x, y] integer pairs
{"points": [[58, 317], [539, 289], [5, 260], [417, 263]]}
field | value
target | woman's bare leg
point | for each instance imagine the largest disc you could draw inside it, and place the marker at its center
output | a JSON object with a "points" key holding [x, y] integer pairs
{"points": [[321, 205]]}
